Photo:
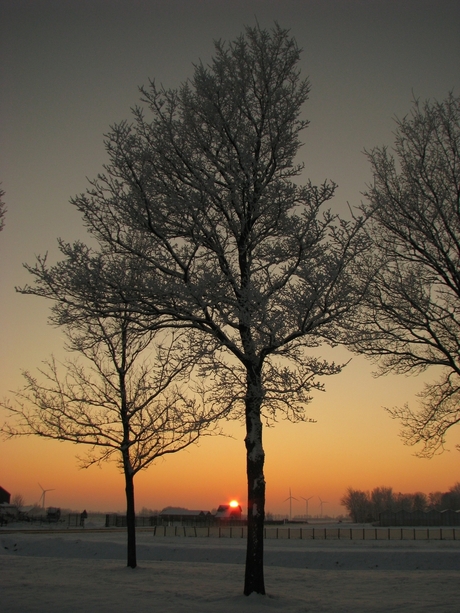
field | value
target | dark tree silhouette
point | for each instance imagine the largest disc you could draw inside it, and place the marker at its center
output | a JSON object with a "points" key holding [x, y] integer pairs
{"points": [[201, 201], [2, 210], [410, 318], [126, 401], [200, 193]]}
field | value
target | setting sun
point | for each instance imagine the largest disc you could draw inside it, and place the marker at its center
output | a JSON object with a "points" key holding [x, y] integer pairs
{"points": [[234, 503]]}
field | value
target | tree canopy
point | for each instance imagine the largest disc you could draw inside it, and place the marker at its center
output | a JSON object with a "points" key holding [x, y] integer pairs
{"points": [[127, 398], [200, 192], [202, 196], [409, 320], [2, 209]]}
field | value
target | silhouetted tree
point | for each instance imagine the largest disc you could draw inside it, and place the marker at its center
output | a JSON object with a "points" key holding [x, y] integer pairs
{"points": [[410, 318], [420, 501], [17, 500], [451, 499], [358, 505], [2, 209], [435, 501], [367, 506], [126, 401], [403, 502], [200, 194], [382, 499]]}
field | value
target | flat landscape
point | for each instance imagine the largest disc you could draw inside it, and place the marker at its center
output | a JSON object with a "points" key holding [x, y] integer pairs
{"points": [[64, 572]]}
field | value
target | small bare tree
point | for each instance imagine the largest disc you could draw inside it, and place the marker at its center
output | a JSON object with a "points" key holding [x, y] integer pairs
{"points": [[128, 404], [201, 195], [2, 209], [410, 318], [17, 501]]}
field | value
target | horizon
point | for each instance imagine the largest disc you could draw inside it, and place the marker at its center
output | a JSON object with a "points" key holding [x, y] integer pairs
{"points": [[71, 70]]}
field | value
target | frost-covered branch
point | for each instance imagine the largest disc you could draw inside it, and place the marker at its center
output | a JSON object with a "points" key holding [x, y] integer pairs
{"points": [[410, 318], [2, 209]]}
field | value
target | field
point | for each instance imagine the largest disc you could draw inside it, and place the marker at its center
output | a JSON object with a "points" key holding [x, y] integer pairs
{"points": [[65, 572]]}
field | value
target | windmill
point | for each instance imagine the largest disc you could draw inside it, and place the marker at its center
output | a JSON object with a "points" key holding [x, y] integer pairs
{"points": [[321, 505], [41, 500], [306, 505], [290, 498]]}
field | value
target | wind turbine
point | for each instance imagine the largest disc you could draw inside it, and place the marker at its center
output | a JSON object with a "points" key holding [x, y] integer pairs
{"points": [[43, 496], [290, 498], [306, 505], [321, 505]]}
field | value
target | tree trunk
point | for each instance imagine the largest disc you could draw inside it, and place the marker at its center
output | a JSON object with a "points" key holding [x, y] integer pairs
{"points": [[130, 519], [254, 575]]}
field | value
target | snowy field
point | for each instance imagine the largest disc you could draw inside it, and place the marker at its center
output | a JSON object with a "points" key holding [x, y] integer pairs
{"points": [[85, 571]]}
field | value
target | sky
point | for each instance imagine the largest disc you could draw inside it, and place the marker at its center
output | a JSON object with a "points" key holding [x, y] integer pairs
{"points": [[71, 68]]}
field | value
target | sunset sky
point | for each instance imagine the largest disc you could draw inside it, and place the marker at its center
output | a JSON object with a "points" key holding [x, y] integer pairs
{"points": [[71, 68]]}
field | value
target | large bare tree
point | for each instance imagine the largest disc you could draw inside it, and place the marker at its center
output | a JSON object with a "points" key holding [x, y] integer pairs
{"points": [[126, 400], [202, 193], [410, 320]]}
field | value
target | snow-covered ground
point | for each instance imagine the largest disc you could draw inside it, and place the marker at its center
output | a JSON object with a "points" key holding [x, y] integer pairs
{"points": [[85, 571]]}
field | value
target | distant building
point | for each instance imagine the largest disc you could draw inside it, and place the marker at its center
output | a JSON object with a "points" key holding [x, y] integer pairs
{"points": [[227, 511], [53, 514], [181, 511], [174, 514], [4, 496], [8, 511]]}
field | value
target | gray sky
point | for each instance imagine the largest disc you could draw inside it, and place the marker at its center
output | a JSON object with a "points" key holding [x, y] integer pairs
{"points": [[70, 68]]}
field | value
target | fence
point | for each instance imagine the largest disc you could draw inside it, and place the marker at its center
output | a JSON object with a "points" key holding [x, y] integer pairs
{"points": [[119, 521], [367, 534], [195, 521], [74, 520]]}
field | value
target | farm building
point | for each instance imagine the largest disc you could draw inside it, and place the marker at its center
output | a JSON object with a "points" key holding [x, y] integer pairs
{"points": [[174, 514], [229, 511], [4, 496]]}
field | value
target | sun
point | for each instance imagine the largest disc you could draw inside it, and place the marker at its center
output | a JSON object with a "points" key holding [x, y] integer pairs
{"points": [[234, 503]]}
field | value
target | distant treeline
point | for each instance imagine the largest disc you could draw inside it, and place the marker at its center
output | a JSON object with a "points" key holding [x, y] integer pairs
{"points": [[366, 506]]}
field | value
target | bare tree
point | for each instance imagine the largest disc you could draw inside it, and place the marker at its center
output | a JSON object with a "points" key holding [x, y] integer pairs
{"points": [[410, 319], [2, 209], [358, 505], [451, 498], [440, 501], [381, 499], [367, 506], [126, 401], [420, 502], [17, 501], [201, 196]]}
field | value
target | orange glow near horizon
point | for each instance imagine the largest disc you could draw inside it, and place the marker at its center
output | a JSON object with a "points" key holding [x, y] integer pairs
{"points": [[353, 444]]}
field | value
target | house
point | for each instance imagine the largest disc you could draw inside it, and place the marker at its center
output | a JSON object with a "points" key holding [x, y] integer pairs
{"points": [[53, 514], [177, 514], [4, 496], [229, 511]]}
